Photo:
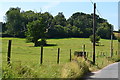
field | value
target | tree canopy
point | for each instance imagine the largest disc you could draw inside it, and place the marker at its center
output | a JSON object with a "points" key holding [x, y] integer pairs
{"points": [[36, 24]]}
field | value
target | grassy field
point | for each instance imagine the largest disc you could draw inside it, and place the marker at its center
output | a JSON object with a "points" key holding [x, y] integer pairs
{"points": [[28, 57], [117, 34]]}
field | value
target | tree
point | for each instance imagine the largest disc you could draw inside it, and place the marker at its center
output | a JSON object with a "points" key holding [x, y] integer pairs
{"points": [[29, 16], [104, 31], [76, 32], [57, 28], [57, 31], [119, 30], [14, 22], [60, 19], [48, 19], [35, 31], [83, 22], [3, 27], [78, 25], [97, 38]]}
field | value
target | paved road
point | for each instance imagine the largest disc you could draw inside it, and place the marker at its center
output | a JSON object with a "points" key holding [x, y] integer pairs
{"points": [[111, 72]]}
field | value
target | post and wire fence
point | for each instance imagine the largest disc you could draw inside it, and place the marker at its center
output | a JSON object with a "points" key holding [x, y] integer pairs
{"points": [[55, 55]]}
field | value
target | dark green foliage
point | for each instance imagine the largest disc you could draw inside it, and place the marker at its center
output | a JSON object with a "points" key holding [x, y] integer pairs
{"points": [[118, 39], [84, 22], [119, 30], [4, 27], [78, 25], [14, 22], [57, 31], [36, 30], [48, 19], [60, 19], [104, 31], [97, 38]]}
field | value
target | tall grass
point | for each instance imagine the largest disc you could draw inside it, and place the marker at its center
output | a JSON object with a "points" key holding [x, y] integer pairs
{"points": [[74, 69]]}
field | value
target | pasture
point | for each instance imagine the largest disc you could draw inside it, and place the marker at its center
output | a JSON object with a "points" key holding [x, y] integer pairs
{"points": [[23, 53]]}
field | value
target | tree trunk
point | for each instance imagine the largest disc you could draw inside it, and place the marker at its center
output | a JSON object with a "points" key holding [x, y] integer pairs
{"points": [[36, 43]]}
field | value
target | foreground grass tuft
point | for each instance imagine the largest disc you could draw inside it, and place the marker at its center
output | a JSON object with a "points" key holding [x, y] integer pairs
{"points": [[74, 69], [18, 71]]}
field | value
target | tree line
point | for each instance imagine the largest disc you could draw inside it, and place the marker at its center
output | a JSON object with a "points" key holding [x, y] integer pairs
{"points": [[36, 25]]}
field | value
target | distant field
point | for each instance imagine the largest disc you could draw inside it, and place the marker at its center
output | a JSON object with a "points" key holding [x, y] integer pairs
{"points": [[25, 54], [117, 34]]}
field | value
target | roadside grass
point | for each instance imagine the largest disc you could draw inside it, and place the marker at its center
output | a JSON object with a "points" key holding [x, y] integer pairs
{"points": [[75, 69], [24, 55]]}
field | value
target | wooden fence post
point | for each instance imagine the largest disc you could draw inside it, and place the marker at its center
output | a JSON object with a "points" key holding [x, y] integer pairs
{"points": [[41, 59], [87, 54], [116, 52], [84, 48], [90, 54], [84, 51], [98, 53], [9, 51], [101, 54], [58, 55], [70, 55]]}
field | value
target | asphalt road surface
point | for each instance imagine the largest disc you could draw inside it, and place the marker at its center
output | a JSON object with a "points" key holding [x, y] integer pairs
{"points": [[107, 73]]}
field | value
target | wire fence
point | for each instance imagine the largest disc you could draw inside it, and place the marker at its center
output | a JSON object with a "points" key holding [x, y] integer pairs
{"points": [[49, 55], [28, 58]]}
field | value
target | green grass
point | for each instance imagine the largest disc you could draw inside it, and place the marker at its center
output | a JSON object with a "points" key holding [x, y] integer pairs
{"points": [[25, 54]]}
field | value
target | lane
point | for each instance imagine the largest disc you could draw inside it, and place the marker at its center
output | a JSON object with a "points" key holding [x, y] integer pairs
{"points": [[111, 71]]}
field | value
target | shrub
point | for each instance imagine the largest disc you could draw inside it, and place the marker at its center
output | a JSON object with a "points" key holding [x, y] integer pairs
{"points": [[97, 38]]}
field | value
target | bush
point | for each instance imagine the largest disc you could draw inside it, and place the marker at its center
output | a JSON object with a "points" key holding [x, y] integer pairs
{"points": [[97, 38]]}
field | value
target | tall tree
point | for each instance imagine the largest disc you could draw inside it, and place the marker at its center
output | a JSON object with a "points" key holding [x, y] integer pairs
{"points": [[14, 21], [3, 27], [60, 19], [82, 21], [29, 16], [104, 31], [78, 25], [35, 30], [48, 19]]}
